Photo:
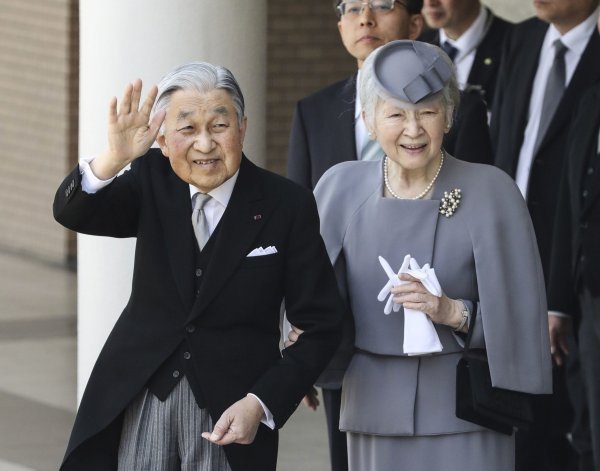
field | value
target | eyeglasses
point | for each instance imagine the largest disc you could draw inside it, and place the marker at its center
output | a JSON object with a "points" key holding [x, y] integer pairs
{"points": [[353, 9]]}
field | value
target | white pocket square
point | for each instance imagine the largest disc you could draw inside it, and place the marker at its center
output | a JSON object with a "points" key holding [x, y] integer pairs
{"points": [[259, 251]]}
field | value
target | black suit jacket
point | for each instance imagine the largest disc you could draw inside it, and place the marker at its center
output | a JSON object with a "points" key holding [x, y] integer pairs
{"points": [[322, 132], [576, 248], [509, 120], [231, 324], [484, 71]]}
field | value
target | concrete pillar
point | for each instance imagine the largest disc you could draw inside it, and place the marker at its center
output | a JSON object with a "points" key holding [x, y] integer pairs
{"points": [[121, 41]]}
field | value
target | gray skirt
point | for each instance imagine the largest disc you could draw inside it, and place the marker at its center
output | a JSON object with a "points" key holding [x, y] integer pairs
{"points": [[474, 451]]}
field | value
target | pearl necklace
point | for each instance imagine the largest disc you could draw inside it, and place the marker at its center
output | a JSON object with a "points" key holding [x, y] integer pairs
{"points": [[420, 195]]}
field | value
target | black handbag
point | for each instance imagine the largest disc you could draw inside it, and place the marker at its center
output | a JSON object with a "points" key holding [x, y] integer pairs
{"points": [[477, 401]]}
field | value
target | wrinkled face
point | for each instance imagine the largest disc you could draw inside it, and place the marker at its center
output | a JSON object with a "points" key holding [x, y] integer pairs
{"points": [[446, 13], [202, 137], [564, 12], [410, 135], [367, 31]]}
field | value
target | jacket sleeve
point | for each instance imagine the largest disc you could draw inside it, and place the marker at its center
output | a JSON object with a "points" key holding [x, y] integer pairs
{"points": [[314, 305], [113, 211]]}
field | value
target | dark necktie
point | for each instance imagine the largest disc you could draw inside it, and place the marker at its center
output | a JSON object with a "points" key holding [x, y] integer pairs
{"points": [[555, 86], [199, 222], [450, 50]]}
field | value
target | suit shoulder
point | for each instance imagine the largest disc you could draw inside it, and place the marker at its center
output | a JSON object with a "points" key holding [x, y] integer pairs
{"points": [[501, 25], [321, 97], [526, 28], [487, 180], [349, 171], [276, 185]]}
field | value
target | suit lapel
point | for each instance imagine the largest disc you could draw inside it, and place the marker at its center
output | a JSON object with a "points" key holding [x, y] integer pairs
{"points": [[244, 218], [528, 66], [175, 210], [486, 54], [586, 73], [344, 107]]}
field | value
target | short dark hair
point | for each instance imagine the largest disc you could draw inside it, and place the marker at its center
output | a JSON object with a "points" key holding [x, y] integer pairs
{"points": [[413, 6]]}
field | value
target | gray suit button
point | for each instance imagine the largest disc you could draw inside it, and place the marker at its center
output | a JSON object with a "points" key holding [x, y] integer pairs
{"points": [[198, 271], [176, 374], [590, 170], [584, 193], [187, 355], [190, 328]]}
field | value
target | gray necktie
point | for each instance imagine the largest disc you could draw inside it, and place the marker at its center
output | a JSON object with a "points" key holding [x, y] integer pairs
{"points": [[199, 222], [555, 86], [371, 151]]}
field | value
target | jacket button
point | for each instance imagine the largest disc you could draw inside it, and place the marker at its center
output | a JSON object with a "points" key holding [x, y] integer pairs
{"points": [[582, 259], [176, 374], [590, 170], [198, 271], [190, 328], [187, 355], [583, 225], [584, 193]]}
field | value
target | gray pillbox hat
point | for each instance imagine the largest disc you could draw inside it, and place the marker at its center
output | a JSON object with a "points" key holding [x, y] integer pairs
{"points": [[410, 71]]}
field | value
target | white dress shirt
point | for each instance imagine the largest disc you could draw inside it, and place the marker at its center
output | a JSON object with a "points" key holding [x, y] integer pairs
{"points": [[576, 40], [467, 46], [213, 211], [361, 135]]}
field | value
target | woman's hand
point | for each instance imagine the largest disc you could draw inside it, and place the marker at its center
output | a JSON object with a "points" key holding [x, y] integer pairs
{"points": [[413, 295], [130, 133]]}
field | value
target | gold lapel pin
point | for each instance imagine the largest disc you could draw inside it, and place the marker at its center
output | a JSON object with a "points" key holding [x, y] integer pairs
{"points": [[487, 61]]}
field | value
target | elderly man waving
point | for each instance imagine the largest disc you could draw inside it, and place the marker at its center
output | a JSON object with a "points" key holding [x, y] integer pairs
{"points": [[220, 244]]}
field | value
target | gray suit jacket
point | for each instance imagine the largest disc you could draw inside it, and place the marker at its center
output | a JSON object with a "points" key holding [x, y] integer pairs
{"points": [[486, 252]]}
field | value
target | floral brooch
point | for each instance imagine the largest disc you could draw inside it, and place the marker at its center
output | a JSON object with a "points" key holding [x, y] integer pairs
{"points": [[450, 202]]}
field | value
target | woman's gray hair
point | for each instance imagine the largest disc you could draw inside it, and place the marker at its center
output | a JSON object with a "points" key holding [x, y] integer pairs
{"points": [[203, 78], [371, 94]]}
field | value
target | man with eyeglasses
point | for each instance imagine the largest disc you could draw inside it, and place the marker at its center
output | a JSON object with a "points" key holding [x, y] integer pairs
{"points": [[328, 129], [472, 36]]}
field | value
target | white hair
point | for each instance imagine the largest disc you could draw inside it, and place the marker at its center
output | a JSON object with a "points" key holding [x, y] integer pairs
{"points": [[201, 77]]}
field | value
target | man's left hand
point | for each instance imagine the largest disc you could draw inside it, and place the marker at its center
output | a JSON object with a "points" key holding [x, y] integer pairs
{"points": [[559, 330], [238, 424]]}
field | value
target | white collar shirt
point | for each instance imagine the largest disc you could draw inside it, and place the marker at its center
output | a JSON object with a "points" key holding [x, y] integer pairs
{"points": [[215, 207], [467, 46], [361, 135], [576, 41]]}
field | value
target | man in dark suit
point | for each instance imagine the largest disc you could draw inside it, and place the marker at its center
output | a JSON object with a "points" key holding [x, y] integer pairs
{"points": [[472, 36], [198, 342], [575, 268], [547, 62]]}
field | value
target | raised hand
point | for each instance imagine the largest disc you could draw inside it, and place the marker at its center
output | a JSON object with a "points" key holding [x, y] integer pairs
{"points": [[130, 131]]}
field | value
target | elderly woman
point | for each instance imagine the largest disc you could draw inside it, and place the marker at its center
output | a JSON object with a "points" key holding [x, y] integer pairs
{"points": [[470, 224]]}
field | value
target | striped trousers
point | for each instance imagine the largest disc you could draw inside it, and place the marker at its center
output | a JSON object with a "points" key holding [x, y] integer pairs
{"points": [[166, 436]]}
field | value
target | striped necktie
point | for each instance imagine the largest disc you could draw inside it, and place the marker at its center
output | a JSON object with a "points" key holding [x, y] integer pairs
{"points": [[199, 222]]}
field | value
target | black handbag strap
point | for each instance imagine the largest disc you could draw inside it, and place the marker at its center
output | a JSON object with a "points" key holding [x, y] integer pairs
{"points": [[471, 327]]}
